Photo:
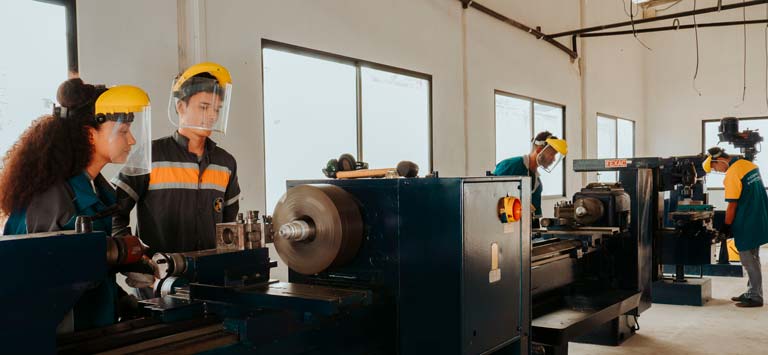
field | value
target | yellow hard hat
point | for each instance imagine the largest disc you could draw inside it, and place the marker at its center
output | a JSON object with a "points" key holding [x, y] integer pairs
{"points": [[122, 99], [707, 164], [217, 71], [560, 145]]}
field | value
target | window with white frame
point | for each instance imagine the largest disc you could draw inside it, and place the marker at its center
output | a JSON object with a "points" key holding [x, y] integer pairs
{"points": [[520, 118], [710, 139], [28, 82], [615, 139], [318, 106]]}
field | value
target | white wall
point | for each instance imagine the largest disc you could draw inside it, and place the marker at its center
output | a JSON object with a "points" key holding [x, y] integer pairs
{"points": [[613, 76], [501, 57], [609, 79], [136, 42], [425, 39], [130, 42], [674, 108]]}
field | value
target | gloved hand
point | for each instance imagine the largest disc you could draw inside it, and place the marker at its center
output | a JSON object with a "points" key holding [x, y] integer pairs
{"points": [[139, 280], [143, 274]]}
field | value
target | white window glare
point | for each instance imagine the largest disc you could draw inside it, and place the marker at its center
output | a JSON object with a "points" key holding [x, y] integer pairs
{"points": [[395, 113], [513, 127], [311, 115], [28, 82], [550, 118], [606, 145], [615, 139]]}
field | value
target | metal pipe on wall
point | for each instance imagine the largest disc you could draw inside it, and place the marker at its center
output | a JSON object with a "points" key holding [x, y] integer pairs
{"points": [[673, 28], [659, 18], [535, 32]]}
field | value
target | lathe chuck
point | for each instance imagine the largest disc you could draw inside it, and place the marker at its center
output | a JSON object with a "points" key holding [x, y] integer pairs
{"points": [[316, 227]]}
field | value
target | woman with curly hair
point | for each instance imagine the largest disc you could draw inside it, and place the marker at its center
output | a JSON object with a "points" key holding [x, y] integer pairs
{"points": [[53, 172]]}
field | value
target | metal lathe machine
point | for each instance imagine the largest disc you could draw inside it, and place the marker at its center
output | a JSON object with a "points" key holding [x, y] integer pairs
{"points": [[377, 266], [382, 266]]}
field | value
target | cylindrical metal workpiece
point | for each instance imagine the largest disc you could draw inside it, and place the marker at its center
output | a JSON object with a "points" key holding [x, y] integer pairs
{"points": [[297, 231], [328, 221], [170, 264]]}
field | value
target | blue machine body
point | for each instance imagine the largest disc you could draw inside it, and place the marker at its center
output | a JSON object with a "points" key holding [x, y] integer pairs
{"points": [[44, 276], [422, 281], [427, 256], [437, 272]]}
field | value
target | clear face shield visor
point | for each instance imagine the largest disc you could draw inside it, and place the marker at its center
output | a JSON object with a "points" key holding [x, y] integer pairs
{"points": [[200, 103], [130, 140], [548, 158]]}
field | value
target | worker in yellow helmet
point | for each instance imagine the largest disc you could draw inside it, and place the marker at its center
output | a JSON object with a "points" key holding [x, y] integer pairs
{"points": [[128, 107], [546, 153], [193, 184], [53, 175], [746, 218]]}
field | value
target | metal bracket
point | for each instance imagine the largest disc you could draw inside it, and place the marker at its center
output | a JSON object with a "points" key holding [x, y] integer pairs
{"points": [[533, 31]]}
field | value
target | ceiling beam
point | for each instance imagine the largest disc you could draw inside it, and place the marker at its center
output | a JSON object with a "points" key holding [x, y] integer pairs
{"points": [[536, 32], [659, 18], [673, 28]]}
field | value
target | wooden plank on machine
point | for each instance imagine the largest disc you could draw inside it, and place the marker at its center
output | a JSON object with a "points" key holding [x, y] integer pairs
{"points": [[363, 173]]}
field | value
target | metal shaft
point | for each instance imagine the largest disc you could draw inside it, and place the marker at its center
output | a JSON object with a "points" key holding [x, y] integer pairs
{"points": [[83, 224], [296, 231]]}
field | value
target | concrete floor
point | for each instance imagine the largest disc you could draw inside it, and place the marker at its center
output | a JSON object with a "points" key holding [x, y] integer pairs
{"points": [[717, 328]]}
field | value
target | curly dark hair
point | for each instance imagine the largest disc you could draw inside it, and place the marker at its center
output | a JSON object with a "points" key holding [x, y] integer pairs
{"points": [[52, 150]]}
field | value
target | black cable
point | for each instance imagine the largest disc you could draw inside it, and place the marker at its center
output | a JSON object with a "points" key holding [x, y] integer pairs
{"points": [[744, 88], [637, 323], [696, 32], [624, 4], [632, 20]]}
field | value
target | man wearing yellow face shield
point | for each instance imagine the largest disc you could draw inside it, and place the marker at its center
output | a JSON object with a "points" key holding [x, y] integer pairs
{"points": [[746, 217], [546, 153], [193, 184]]}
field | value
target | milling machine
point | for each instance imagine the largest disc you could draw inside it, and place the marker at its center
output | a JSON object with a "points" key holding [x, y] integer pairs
{"points": [[681, 230]]}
